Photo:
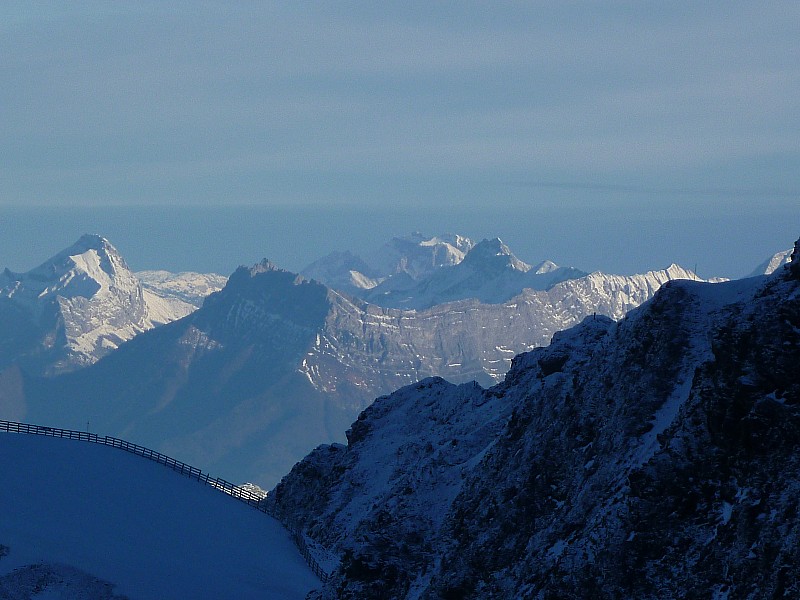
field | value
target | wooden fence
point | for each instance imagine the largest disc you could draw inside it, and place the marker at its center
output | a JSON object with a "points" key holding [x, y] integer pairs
{"points": [[235, 491]]}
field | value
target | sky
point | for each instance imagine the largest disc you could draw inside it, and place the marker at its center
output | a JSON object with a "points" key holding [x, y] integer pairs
{"points": [[584, 132]]}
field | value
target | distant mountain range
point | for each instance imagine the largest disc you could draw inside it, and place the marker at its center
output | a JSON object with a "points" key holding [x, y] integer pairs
{"points": [[274, 363], [416, 273], [654, 457]]}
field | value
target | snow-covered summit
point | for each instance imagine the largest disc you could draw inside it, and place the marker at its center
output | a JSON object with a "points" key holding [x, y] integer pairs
{"points": [[343, 271], [76, 307], [419, 255], [88, 267], [401, 259], [493, 255], [84, 301], [546, 266]]}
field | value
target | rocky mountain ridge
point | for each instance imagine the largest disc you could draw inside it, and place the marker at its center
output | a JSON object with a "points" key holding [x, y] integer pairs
{"points": [[652, 457]]}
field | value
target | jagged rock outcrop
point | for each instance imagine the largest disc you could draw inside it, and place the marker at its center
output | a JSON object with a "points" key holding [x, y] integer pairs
{"points": [[655, 457]]}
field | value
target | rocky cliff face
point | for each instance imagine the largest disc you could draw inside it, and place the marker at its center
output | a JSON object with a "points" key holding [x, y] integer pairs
{"points": [[655, 457]]}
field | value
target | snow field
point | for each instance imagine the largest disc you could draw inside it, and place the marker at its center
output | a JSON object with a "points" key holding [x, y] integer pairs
{"points": [[152, 532]]}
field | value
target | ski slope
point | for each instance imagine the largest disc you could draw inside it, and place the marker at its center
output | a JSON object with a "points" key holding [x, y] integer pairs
{"points": [[151, 532]]}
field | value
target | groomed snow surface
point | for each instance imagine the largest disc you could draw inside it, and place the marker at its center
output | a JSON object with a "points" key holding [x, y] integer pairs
{"points": [[152, 532]]}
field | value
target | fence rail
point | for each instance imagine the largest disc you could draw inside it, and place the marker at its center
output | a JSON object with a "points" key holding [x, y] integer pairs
{"points": [[235, 491]]}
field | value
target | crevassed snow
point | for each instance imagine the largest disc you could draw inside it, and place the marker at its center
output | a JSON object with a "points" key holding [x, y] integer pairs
{"points": [[150, 531]]}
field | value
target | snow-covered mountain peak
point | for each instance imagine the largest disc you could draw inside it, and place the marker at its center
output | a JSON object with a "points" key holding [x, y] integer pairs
{"points": [[84, 302], [77, 306], [92, 241], [494, 254], [676, 271], [343, 271], [546, 266], [419, 255], [773, 263], [454, 246], [88, 268]]}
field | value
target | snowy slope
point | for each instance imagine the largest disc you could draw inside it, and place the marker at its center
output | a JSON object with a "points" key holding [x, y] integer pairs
{"points": [[773, 263], [172, 296], [187, 287], [151, 532], [343, 271]]}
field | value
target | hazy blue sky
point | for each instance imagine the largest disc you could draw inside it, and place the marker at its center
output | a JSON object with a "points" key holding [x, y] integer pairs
{"points": [[601, 128]]}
